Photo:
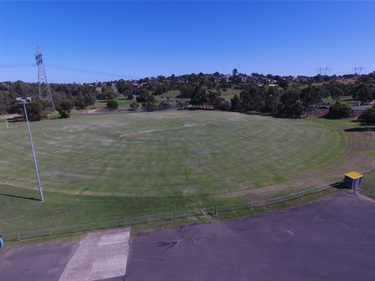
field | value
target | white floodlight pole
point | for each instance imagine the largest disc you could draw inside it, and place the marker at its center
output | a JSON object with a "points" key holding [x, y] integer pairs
{"points": [[24, 101]]}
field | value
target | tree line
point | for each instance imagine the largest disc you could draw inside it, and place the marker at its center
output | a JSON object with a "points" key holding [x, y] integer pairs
{"points": [[281, 96]]}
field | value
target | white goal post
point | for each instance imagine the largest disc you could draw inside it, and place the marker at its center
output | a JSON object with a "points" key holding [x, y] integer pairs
{"points": [[5, 124]]}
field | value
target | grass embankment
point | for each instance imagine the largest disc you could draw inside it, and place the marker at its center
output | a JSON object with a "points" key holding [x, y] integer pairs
{"points": [[171, 94], [368, 186], [229, 93], [343, 100], [109, 167]]}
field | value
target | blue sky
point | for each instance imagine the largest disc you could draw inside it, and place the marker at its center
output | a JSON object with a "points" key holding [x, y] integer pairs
{"points": [[88, 41]]}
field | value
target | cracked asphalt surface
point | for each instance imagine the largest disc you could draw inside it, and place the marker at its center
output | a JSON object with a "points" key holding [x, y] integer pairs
{"points": [[332, 239]]}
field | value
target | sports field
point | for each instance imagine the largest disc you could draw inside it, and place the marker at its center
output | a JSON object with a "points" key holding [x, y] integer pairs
{"points": [[114, 166]]}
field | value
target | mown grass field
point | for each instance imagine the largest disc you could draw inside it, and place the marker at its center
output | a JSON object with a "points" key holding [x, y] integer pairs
{"points": [[96, 168]]}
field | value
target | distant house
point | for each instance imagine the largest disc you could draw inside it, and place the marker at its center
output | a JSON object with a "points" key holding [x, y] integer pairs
{"points": [[243, 78], [225, 78]]}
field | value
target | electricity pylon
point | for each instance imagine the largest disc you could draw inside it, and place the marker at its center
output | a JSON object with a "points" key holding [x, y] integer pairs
{"points": [[358, 70], [44, 88], [323, 70]]}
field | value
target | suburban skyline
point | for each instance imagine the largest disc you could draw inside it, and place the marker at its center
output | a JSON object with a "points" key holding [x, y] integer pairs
{"points": [[88, 41]]}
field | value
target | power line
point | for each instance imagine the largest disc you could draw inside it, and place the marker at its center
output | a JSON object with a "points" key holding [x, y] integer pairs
{"points": [[87, 71], [66, 68], [17, 65]]}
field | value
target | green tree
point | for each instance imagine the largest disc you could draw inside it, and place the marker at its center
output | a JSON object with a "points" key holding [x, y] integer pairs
{"points": [[145, 98], [160, 89], [125, 88], [199, 97], [291, 104], [235, 103], [235, 80], [281, 82], [134, 106], [369, 116], [272, 99], [64, 108], [363, 92], [252, 98], [112, 104], [186, 91], [109, 94], [6, 102], [79, 104], [339, 111], [164, 105], [214, 99], [336, 91], [36, 110], [312, 95]]}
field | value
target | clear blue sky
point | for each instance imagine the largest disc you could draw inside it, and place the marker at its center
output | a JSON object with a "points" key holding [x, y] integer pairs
{"points": [[86, 41]]}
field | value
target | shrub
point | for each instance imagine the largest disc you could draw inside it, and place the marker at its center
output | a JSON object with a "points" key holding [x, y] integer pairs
{"points": [[64, 114], [79, 104], [37, 109], [164, 105], [339, 111], [112, 104], [134, 106], [64, 107], [369, 115]]}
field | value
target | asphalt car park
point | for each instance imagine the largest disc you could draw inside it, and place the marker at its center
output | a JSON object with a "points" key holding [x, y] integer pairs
{"points": [[329, 239]]}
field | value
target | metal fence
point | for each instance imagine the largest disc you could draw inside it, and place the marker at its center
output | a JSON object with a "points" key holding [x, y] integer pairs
{"points": [[158, 217]]}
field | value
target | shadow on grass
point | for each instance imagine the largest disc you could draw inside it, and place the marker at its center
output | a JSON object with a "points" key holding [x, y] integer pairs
{"points": [[20, 197], [338, 185], [361, 129]]}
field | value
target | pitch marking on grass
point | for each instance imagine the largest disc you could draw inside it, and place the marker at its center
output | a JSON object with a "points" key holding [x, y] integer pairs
{"points": [[129, 135]]}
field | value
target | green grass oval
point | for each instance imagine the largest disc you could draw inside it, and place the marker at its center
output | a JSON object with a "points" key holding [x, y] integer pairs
{"points": [[166, 153]]}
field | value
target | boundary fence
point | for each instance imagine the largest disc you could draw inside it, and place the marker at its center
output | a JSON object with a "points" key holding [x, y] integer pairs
{"points": [[157, 217]]}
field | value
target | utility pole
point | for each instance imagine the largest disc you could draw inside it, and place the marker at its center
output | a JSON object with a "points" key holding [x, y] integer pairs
{"points": [[24, 101], [44, 88]]}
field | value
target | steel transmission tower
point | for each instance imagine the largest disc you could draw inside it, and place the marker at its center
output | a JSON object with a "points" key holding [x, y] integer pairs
{"points": [[358, 70], [44, 88], [323, 70]]}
